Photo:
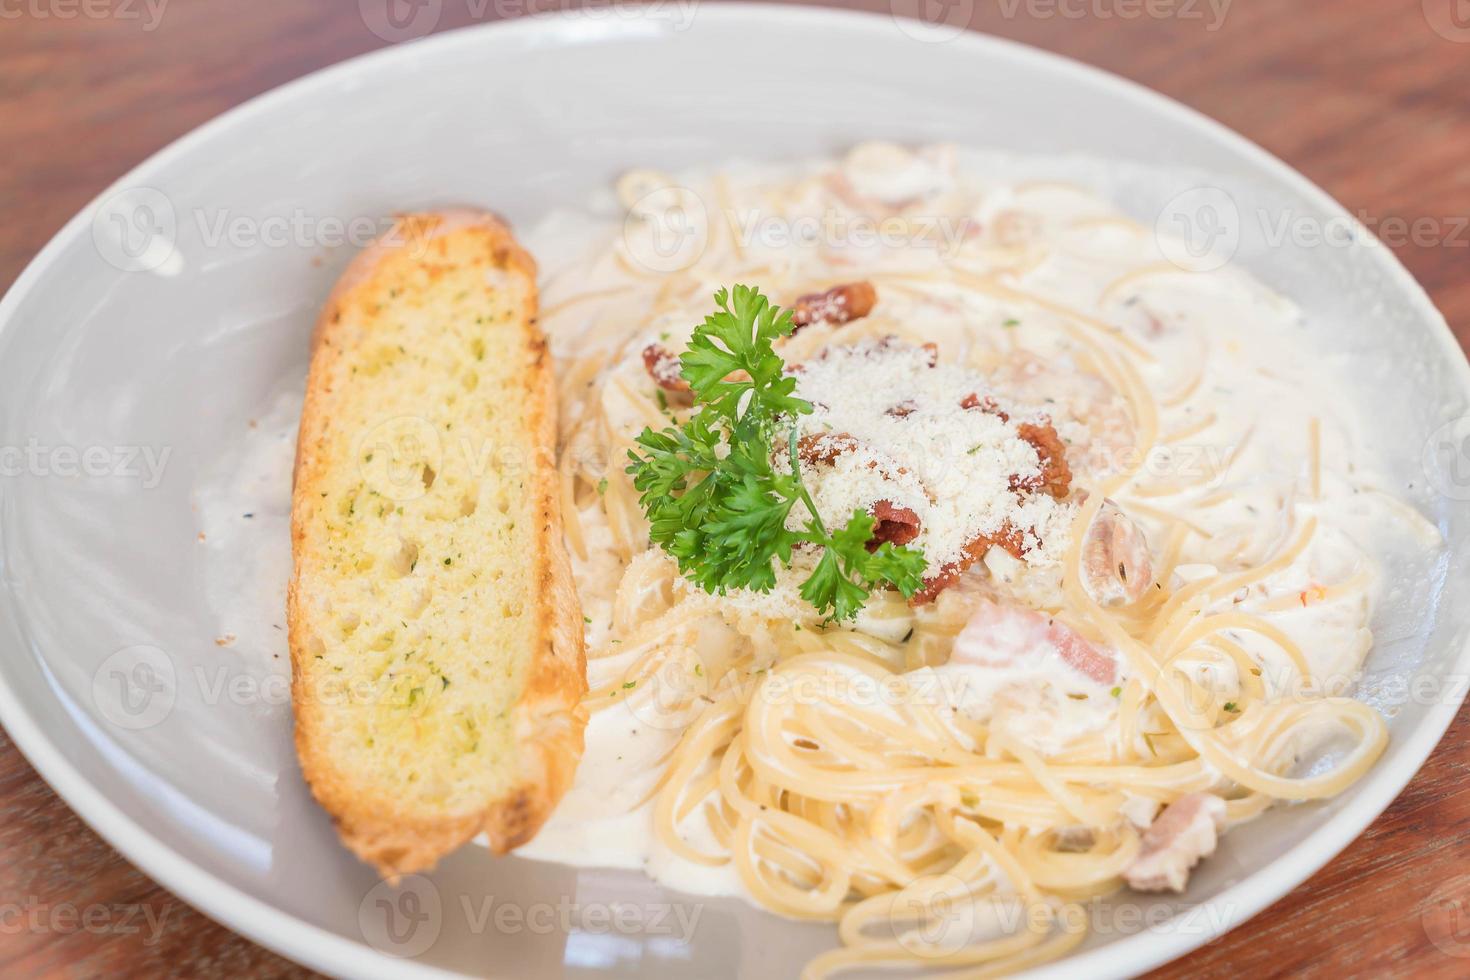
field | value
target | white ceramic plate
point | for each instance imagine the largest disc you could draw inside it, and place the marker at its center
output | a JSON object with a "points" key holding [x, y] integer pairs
{"points": [[135, 350]]}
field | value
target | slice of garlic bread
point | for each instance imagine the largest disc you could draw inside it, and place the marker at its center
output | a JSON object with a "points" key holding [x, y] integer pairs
{"points": [[436, 637]]}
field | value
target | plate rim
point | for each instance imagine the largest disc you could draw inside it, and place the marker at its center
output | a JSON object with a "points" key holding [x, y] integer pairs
{"points": [[320, 949]]}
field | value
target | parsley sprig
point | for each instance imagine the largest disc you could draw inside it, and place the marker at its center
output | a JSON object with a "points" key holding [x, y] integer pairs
{"points": [[711, 489]]}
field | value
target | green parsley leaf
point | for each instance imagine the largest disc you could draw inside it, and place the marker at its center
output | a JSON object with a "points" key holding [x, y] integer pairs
{"points": [[737, 340], [714, 498]]}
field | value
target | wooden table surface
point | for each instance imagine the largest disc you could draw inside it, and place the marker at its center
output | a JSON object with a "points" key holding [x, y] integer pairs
{"points": [[1369, 98]]}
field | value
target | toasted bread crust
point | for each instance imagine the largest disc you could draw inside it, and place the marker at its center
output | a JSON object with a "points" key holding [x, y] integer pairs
{"points": [[548, 717]]}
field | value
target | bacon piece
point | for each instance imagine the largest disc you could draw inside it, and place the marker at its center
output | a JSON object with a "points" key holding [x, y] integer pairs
{"points": [[1056, 476], [986, 404], [903, 409], [1174, 843], [900, 525], [1008, 636], [1076, 652], [662, 365], [896, 525], [823, 448], [1007, 538], [838, 305]]}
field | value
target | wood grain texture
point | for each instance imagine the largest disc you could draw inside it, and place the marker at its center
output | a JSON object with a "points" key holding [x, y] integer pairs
{"points": [[1363, 96]]}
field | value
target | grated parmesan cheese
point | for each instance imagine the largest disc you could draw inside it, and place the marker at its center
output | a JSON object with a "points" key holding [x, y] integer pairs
{"points": [[889, 425]]}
